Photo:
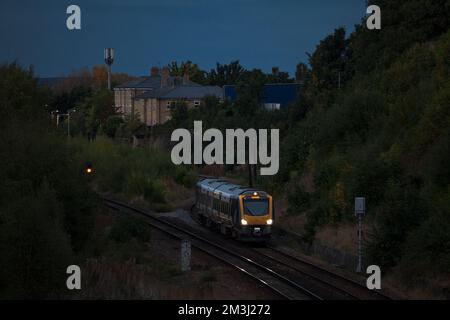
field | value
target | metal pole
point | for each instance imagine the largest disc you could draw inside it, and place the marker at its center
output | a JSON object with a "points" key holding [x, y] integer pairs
{"points": [[359, 267], [339, 81], [68, 124], [360, 210], [109, 77]]}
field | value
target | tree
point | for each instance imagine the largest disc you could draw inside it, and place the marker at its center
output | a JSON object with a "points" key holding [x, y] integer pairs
{"points": [[302, 73], [278, 76], [225, 74], [329, 60], [100, 76], [189, 68], [45, 203]]}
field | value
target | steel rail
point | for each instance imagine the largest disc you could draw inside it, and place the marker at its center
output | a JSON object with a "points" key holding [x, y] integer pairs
{"points": [[118, 204], [333, 275]]}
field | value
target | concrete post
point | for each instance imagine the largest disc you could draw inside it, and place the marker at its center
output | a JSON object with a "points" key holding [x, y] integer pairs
{"points": [[185, 255]]}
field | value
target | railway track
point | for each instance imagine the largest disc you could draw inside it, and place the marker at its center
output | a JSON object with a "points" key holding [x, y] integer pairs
{"points": [[343, 286], [288, 276], [277, 282], [324, 283]]}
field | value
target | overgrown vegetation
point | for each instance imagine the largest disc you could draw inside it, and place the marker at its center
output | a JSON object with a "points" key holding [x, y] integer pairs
{"points": [[46, 207], [47, 201], [372, 119], [381, 132], [139, 172], [385, 136]]}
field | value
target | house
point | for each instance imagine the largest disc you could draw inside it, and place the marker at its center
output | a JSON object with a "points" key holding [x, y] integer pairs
{"points": [[274, 96], [150, 98]]}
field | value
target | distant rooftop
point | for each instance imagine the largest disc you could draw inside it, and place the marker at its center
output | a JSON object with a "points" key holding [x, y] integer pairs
{"points": [[154, 82], [188, 92]]}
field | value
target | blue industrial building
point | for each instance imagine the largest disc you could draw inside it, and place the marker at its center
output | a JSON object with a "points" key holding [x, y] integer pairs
{"points": [[274, 96]]}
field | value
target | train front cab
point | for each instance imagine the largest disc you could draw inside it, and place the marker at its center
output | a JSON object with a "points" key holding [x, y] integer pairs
{"points": [[256, 216]]}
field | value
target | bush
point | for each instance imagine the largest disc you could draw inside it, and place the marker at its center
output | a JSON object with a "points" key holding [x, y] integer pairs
{"points": [[46, 207], [385, 135], [149, 187], [134, 172], [299, 201], [127, 228], [427, 251], [185, 177], [35, 249]]}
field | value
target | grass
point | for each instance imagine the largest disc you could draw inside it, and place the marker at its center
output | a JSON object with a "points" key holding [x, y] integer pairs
{"points": [[133, 173]]}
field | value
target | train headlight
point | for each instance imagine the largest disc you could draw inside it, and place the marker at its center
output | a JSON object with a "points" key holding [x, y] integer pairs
{"points": [[270, 222], [244, 222]]}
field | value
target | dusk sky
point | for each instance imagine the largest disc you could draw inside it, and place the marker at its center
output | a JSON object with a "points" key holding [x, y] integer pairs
{"points": [[145, 33]]}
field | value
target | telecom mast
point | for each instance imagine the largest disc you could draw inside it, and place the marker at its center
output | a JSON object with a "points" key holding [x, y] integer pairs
{"points": [[109, 59]]}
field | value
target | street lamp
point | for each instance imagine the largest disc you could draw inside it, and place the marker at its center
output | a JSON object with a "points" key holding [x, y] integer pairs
{"points": [[57, 116], [68, 121]]}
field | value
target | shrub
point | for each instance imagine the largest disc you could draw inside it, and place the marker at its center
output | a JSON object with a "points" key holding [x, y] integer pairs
{"points": [[127, 228]]}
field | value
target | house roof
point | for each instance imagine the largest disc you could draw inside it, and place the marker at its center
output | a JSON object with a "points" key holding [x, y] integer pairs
{"points": [[130, 84], [154, 93], [188, 92], [153, 82], [193, 92]]}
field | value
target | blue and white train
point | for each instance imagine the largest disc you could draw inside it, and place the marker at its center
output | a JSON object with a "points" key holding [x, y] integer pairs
{"points": [[241, 212]]}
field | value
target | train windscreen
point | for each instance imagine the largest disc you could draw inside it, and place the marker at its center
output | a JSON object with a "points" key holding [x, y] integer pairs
{"points": [[256, 207]]}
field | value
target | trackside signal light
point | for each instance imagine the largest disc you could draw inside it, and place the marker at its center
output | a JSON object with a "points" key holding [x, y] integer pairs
{"points": [[88, 168], [244, 222]]}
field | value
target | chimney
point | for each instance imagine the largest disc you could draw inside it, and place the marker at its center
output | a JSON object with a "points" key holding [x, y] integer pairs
{"points": [[186, 79], [165, 73], [154, 71]]}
